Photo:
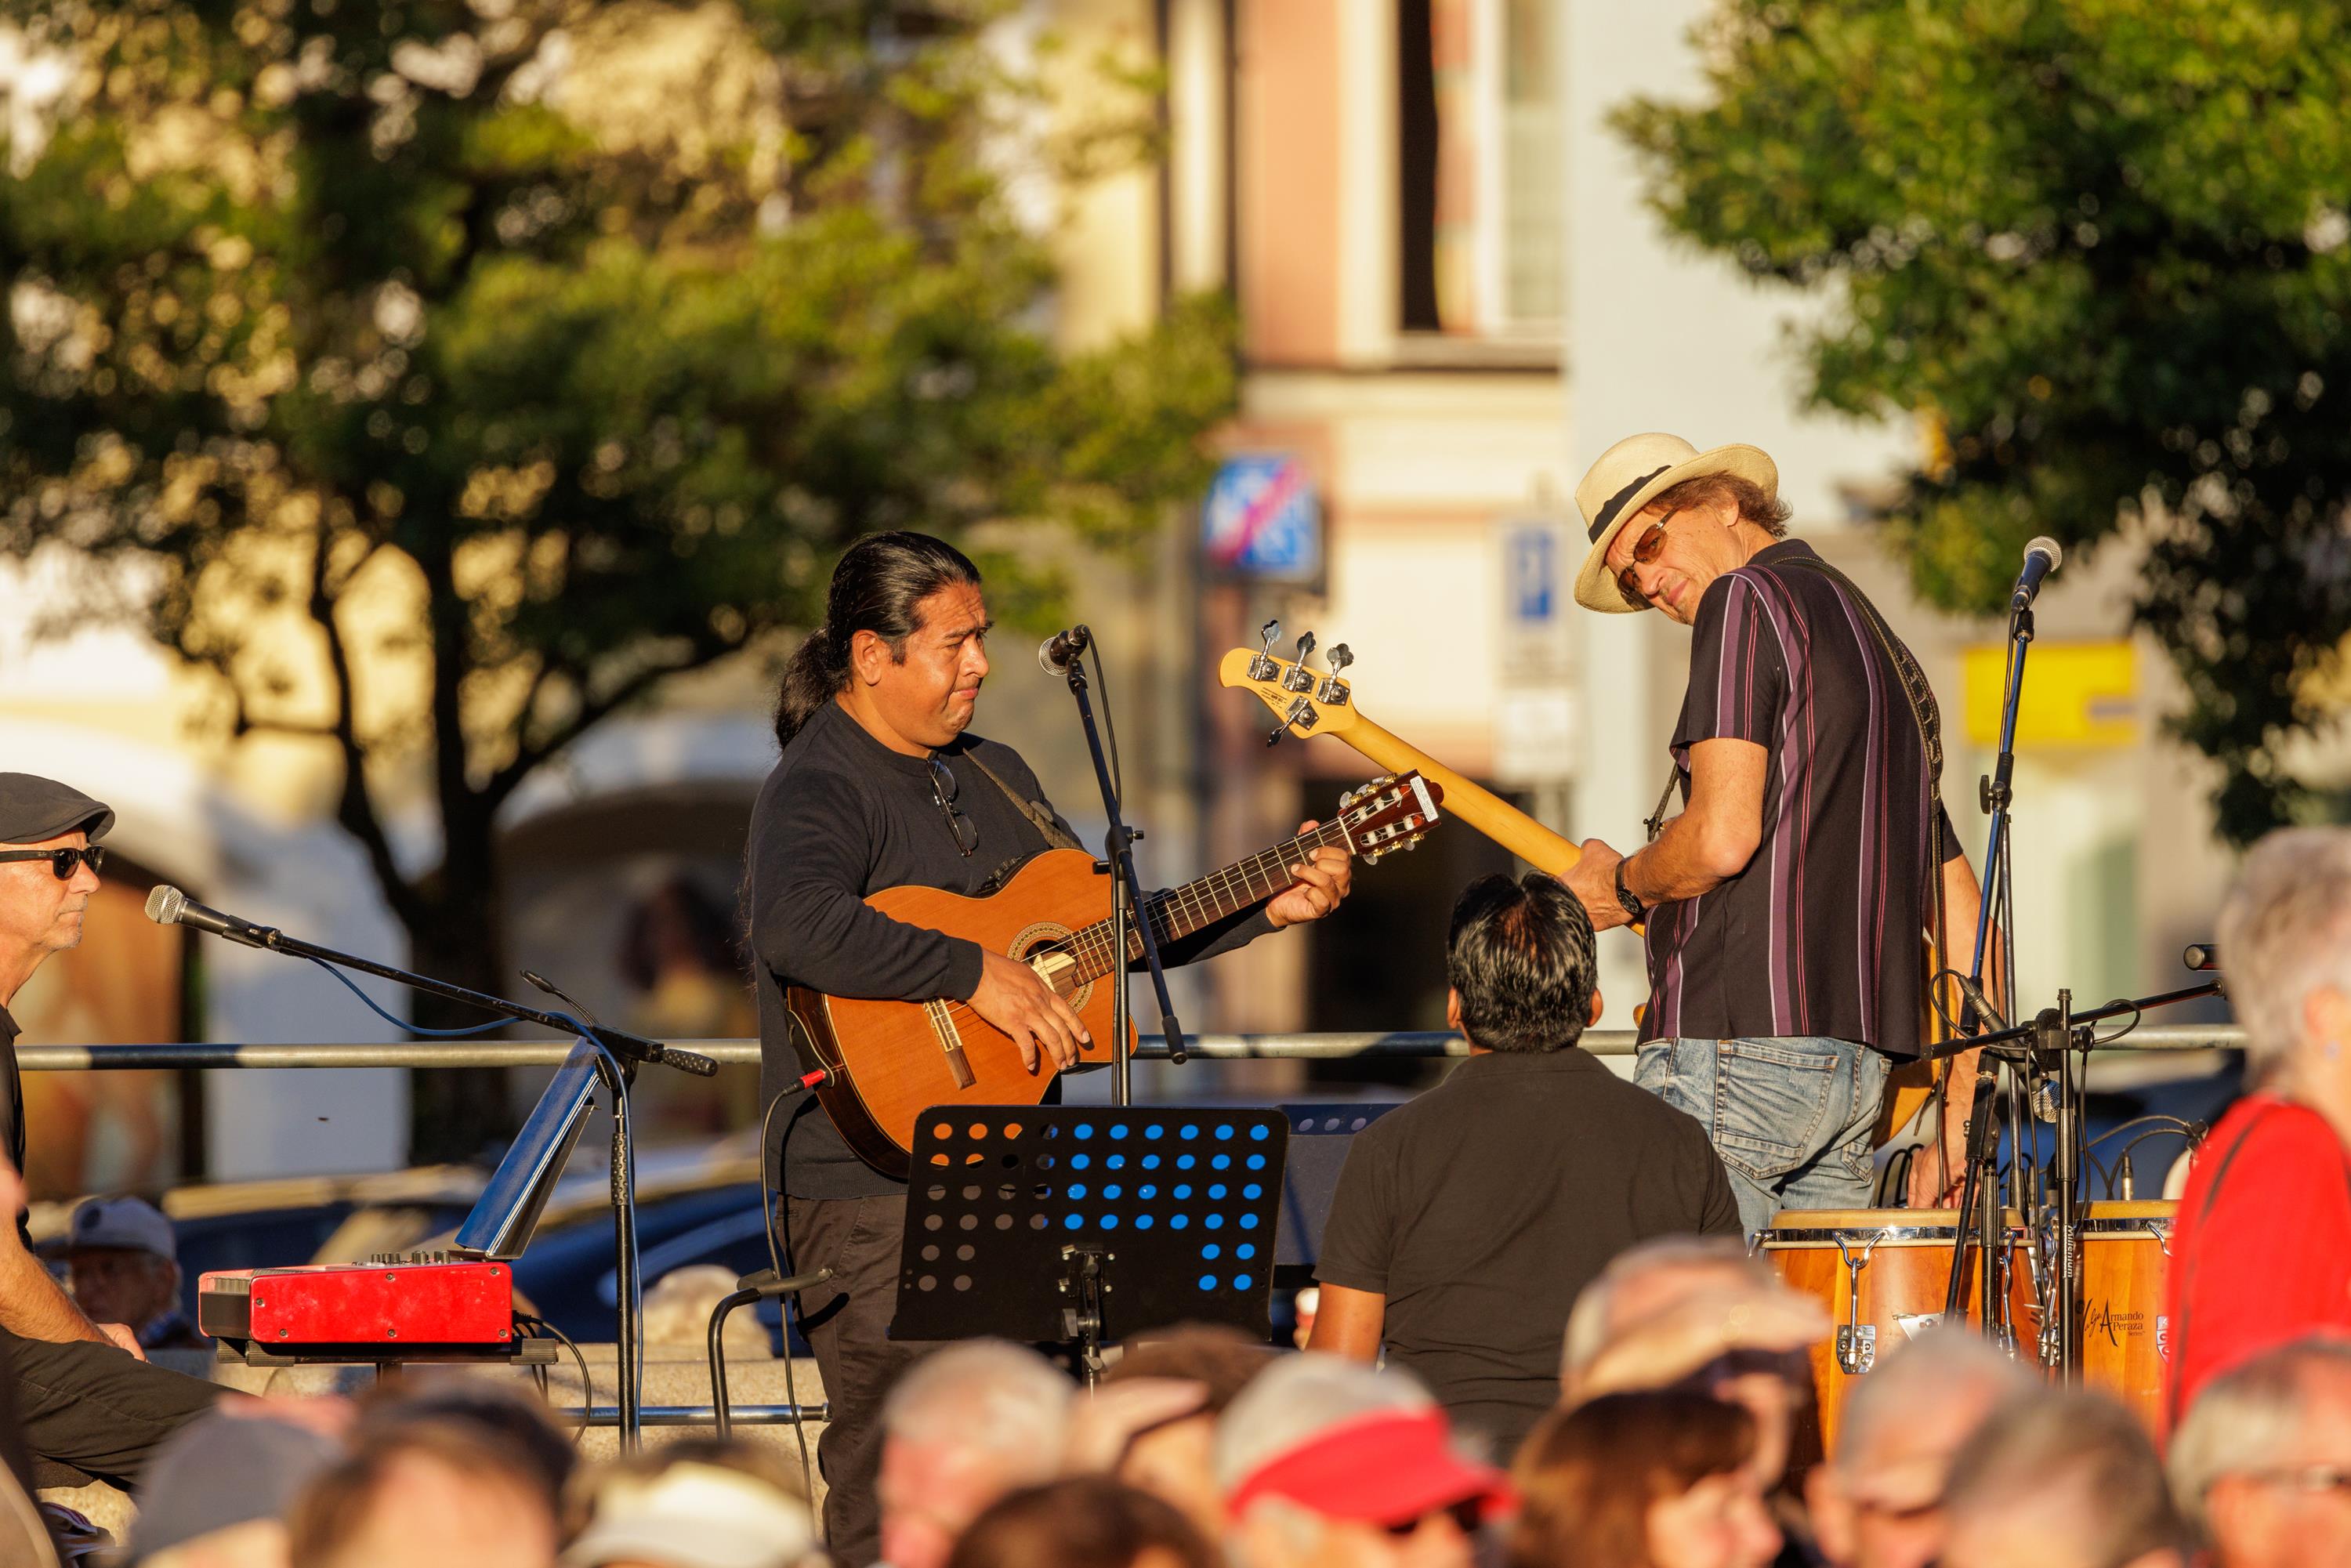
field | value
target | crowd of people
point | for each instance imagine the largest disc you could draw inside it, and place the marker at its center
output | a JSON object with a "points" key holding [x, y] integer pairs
{"points": [[1200, 1447]]}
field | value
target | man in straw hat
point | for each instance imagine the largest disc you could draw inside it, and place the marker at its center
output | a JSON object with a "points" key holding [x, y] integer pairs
{"points": [[1784, 906]]}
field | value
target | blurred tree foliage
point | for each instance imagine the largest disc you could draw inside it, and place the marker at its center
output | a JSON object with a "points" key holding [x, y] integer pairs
{"points": [[2099, 248], [456, 374]]}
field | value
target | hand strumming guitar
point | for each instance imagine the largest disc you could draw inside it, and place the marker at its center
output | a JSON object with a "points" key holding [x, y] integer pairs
{"points": [[1321, 886], [1015, 998]]}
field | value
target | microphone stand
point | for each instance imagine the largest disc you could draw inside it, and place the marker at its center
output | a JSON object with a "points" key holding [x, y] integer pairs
{"points": [[618, 1057], [1995, 912], [1126, 894]]}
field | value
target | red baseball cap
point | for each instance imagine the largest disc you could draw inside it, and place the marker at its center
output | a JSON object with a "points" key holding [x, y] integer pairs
{"points": [[1384, 1468]]}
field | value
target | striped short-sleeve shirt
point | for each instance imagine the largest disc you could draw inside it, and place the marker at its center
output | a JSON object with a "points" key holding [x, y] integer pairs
{"points": [[1820, 935]]}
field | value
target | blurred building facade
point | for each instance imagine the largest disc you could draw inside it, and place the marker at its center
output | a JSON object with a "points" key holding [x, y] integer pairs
{"points": [[1450, 300]]}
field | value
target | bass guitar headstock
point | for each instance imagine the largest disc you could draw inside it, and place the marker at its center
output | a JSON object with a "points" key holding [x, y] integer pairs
{"points": [[1389, 814], [1306, 703]]}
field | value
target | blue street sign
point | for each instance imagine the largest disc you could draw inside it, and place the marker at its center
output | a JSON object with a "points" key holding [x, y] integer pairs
{"points": [[1530, 552], [1263, 519]]}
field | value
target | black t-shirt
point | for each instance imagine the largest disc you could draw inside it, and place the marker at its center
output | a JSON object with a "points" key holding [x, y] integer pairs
{"points": [[842, 817], [1481, 1208], [1821, 933]]}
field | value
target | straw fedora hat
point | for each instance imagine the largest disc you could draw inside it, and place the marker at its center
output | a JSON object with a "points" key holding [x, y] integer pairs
{"points": [[1627, 478]]}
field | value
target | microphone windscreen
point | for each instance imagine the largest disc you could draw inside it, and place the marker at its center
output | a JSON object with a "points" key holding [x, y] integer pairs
{"points": [[165, 903], [2049, 547]]}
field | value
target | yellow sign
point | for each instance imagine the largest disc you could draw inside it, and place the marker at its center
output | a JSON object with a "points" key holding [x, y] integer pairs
{"points": [[2075, 694]]}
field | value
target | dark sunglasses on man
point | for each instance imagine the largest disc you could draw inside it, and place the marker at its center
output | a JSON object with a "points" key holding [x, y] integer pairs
{"points": [[1646, 549], [62, 862]]}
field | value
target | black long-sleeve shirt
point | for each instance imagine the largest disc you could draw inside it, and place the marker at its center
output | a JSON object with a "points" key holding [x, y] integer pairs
{"points": [[842, 818]]}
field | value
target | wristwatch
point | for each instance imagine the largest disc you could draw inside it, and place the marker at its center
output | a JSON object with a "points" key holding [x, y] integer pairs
{"points": [[1632, 907]]}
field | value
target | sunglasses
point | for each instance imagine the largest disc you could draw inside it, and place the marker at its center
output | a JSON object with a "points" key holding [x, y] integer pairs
{"points": [[1468, 1517], [942, 791], [1647, 548], [62, 862]]}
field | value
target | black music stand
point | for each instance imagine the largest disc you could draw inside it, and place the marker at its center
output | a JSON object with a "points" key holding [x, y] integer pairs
{"points": [[1082, 1225]]}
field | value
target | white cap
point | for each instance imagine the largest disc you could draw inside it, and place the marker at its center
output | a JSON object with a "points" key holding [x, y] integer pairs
{"points": [[694, 1515], [131, 1223]]}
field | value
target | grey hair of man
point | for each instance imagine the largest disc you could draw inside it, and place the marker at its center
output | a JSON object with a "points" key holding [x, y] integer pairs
{"points": [[986, 1396], [1934, 1371], [1590, 1325], [2076, 1461], [2248, 1417], [2285, 932]]}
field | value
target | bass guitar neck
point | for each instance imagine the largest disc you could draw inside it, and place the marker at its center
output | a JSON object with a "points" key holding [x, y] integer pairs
{"points": [[1312, 705]]}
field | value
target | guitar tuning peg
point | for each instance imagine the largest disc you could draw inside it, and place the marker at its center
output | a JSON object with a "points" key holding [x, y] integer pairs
{"points": [[1261, 668], [1333, 691], [1300, 678]]}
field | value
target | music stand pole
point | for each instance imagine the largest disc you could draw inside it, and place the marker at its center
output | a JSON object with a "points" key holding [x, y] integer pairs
{"points": [[1125, 894]]}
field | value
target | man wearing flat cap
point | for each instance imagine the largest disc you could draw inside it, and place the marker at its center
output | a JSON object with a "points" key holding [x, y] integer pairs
{"points": [[1785, 906], [85, 1397]]}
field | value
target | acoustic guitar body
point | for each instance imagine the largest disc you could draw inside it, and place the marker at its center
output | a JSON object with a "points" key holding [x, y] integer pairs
{"points": [[895, 1059]]}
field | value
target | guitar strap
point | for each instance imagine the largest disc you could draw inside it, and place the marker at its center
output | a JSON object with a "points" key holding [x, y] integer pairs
{"points": [[1039, 817]]}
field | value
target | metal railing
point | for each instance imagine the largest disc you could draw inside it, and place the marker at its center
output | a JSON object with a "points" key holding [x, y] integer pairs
{"points": [[1401, 1044]]}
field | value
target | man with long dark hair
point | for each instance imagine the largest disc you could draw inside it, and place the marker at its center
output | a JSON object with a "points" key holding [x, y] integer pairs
{"points": [[882, 784]]}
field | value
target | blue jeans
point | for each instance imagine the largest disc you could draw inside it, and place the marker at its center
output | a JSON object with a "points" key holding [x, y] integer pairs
{"points": [[1791, 1117]]}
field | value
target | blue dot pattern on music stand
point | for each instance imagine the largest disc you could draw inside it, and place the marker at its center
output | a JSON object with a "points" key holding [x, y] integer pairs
{"points": [[1062, 1149]]}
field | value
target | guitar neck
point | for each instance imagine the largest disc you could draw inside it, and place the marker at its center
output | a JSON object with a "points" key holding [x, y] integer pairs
{"points": [[1481, 807], [1179, 912]]}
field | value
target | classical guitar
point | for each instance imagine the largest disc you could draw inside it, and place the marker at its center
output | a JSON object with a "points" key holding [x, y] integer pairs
{"points": [[1307, 704], [890, 1062]]}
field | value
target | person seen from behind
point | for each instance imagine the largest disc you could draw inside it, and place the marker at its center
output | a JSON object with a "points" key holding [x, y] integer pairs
{"points": [[965, 1425], [1662, 1479], [2061, 1478], [1082, 1521], [1465, 1222], [1152, 1420], [700, 1502]]}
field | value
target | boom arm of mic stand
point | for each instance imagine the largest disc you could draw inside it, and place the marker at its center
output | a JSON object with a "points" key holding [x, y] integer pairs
{"points": [[628, 1048]]}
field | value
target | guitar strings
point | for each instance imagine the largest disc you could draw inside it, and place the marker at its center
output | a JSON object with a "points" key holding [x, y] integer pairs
{"points": [[1091, 944]]}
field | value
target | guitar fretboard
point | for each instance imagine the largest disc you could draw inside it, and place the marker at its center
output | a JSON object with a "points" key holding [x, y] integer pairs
{"points": [[1179, 912]]}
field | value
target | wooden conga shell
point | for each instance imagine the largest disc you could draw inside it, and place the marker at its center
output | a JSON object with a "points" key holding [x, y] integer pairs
{"points": [[2126, 1260], [1901, 1288]]}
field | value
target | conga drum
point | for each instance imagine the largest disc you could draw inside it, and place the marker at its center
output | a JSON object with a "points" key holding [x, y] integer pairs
{"points": [[2126, 1260], [1882, 1273]]}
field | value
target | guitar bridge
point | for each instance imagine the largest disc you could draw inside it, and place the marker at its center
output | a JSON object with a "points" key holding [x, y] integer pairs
{"points": [[951, 1043]]}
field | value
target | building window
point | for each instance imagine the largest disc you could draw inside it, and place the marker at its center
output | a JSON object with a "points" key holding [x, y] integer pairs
{"points": [[1479, 159]]}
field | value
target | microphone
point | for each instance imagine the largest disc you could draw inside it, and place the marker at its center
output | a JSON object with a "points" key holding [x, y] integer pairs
{"points": [[2042, 557], [2201, 955], [1056, 654], [167, 905]]}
